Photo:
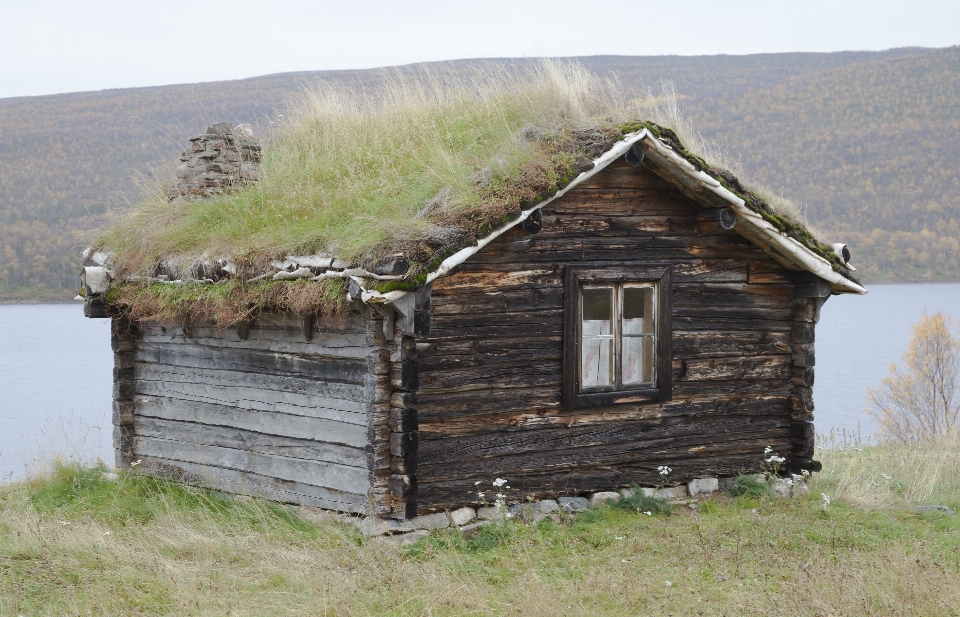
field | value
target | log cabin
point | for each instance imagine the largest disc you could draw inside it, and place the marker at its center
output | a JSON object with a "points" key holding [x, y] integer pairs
{"points": [[651, 311]]}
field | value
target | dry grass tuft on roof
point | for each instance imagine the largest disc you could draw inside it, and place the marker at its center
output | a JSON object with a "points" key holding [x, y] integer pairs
{"points": [[418, 163]]}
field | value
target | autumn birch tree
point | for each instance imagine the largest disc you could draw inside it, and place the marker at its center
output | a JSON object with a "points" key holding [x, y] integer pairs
{"points": [[922, 401]]}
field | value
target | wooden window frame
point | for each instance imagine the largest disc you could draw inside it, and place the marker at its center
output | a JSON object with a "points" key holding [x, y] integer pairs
{"points": [[574, 279]]}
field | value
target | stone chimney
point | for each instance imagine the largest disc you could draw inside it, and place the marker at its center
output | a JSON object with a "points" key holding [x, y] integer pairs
{"points": [[223, 159]]}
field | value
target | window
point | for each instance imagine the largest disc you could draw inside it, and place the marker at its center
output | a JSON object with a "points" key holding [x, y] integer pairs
{"points": [[617, 336]]}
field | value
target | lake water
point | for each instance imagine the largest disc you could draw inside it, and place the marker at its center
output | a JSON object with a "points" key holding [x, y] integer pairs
{"points": [[56, 370]]}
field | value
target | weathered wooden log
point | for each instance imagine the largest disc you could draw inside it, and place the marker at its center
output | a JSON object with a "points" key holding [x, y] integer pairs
{"points": [[336, 431], [201, 436], [403, 420], [804, 332], [403, 487], [804, 355], [402, 444], [803, 376]]}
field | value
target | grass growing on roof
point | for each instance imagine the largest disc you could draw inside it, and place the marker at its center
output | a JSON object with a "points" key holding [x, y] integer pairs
{"points": [[416, 159], [418, 165]]}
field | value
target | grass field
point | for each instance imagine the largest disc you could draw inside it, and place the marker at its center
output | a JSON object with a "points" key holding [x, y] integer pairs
{"points": [[72, 543]]}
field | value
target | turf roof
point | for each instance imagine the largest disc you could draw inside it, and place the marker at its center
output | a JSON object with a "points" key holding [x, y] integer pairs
{"points": [[421, 167]]}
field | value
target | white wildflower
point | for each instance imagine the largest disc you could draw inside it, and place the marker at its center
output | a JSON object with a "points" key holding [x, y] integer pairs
{"points": [[499, 482], [135, 463], [826, 501], [663, 470], [767, 450]]}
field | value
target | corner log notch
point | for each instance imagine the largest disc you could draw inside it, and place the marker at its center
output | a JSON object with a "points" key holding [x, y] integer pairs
{"points": [[810, 293], [395, 433], [123, 343]]}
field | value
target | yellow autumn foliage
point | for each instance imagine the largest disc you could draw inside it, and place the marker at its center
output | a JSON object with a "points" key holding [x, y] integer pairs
{"points": [[921, 401]]}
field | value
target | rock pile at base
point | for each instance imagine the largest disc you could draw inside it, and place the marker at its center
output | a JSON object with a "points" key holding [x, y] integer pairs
{"points": [[224, 158]]}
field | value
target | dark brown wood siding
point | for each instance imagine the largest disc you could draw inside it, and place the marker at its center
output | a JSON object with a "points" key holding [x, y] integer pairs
{"points": [[489, 403]]}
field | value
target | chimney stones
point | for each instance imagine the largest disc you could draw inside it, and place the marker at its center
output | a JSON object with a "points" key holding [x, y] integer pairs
{"points": [[223, 159]]}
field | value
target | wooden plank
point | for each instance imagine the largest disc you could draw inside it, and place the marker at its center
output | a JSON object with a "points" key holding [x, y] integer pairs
{"points": [[625, 435], [627, 177], [270, 423], [240, 439], [492, 377], [445, 404], [519, 348], [463, 330], [636, 226], [306, 366], [471, 278], [690, 319], [531, 299], [268, 383], [466, 282], [510, 353], [610, 255], [353, 345], [776, 367], [249, 483], [311, 406], [586, 479], [769, 272], [711, 343], [328, 475]]}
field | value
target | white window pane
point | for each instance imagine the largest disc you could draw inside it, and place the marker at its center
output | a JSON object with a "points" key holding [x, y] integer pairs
{"points": [[596, 362], [596, 338], [648, 360], [637, 362]]}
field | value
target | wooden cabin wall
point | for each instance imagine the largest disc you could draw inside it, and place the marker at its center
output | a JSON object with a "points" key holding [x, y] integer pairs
{"points": [[272, 414], [489, 403]]}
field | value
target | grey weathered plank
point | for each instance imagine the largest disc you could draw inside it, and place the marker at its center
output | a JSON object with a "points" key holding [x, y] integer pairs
{"points": [[248, 483], [351, 370], [271, 383], [328, 475], [266, 422], [353, 345], [241, 439], [341, 410]]}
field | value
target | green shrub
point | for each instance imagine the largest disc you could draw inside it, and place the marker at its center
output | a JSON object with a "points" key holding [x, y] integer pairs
{"points": [[643, 503], [750, 486]]}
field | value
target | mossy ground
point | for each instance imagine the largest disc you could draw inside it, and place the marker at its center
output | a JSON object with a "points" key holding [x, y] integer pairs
{"points": [[74, 543]]}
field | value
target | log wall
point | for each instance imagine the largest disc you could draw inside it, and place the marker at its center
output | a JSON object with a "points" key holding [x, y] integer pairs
{"points": [[281, 407], [489, 402]]}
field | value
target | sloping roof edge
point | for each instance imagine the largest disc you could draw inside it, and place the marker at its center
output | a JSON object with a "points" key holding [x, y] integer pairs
{"points": [[692, 182]]}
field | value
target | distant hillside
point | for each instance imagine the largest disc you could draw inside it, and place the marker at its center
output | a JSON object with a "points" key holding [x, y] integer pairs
{"points": [[867, 141]]}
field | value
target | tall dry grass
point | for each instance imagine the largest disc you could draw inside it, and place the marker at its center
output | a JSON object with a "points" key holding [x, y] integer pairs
{"points": [[890, 475]]}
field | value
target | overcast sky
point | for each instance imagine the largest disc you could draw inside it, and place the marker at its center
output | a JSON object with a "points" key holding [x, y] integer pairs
{"points": [[50, 46]]}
